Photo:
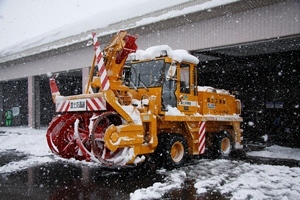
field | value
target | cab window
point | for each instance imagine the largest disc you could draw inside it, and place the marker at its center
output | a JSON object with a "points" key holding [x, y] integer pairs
{"points": [[184, 78]]}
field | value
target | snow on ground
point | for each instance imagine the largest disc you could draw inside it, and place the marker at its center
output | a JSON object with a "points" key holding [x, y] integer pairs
{"points": [[233, 179], [28, 141], [277, 152]]}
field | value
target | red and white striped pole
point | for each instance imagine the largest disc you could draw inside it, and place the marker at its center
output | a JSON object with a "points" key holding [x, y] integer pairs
{"points": [[53, 87], [99, 59], [201, 140]]}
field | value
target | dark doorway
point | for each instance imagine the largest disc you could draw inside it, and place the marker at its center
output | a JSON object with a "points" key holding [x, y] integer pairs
{"points": [[268, 87], [69, 83], [15, 98]]}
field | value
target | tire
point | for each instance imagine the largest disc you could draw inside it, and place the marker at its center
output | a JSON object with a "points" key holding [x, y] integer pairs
{"points": [[172, 151], [222, 144]]}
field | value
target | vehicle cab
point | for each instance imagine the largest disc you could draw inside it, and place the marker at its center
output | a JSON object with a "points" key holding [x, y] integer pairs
{"points": [[165, 73]]}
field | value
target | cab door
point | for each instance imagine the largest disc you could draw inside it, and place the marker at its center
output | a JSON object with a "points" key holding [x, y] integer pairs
{"points": [[169, 86], [187, 101]]}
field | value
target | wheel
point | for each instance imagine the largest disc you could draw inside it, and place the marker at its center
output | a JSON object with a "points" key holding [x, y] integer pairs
{"points": [[101, 152], [223, 144], [172, 151]]}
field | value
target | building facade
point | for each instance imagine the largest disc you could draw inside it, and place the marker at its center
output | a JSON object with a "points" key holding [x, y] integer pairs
{"points": [[249, 46]]}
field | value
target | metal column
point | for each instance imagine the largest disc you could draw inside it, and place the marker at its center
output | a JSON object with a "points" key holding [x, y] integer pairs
{"points": [[34, 102]]}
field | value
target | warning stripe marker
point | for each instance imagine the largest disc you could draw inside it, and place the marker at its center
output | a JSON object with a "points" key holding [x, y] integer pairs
{"points": [[201, 141], [100, 62]]}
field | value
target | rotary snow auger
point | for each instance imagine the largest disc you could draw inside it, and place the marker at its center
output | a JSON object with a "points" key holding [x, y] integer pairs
{"points": [[150, 107]]}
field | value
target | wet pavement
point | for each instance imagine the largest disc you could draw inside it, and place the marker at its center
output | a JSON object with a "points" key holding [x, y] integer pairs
{"points": [[64, 180], [60, 180]]}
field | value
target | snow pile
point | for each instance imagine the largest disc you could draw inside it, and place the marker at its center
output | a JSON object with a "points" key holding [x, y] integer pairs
{"points": [[163, 50], [123, 156], [276, 151], [33, 144], [24, 163], [27, 140], [232, 179], [173, 111], [133, 113], [271, 182], [151, 52], [173, 181], [247, 181], [211, 89]]}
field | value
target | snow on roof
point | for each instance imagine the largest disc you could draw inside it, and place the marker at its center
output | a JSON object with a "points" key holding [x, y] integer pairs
{"points": [[136, 15], [157, 51]]}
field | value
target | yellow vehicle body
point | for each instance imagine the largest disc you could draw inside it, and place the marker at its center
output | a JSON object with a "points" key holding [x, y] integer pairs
{"points": [[220, 111], [163, 110]]}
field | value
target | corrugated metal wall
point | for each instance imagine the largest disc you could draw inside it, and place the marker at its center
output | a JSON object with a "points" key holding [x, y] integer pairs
{"points": [[277, 20]]}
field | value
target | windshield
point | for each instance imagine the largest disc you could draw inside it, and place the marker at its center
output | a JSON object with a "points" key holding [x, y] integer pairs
{"points": [[148, 74]]}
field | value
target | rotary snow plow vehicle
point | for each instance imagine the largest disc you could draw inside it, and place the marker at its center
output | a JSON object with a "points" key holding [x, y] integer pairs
{"points": [[148, 107]]}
